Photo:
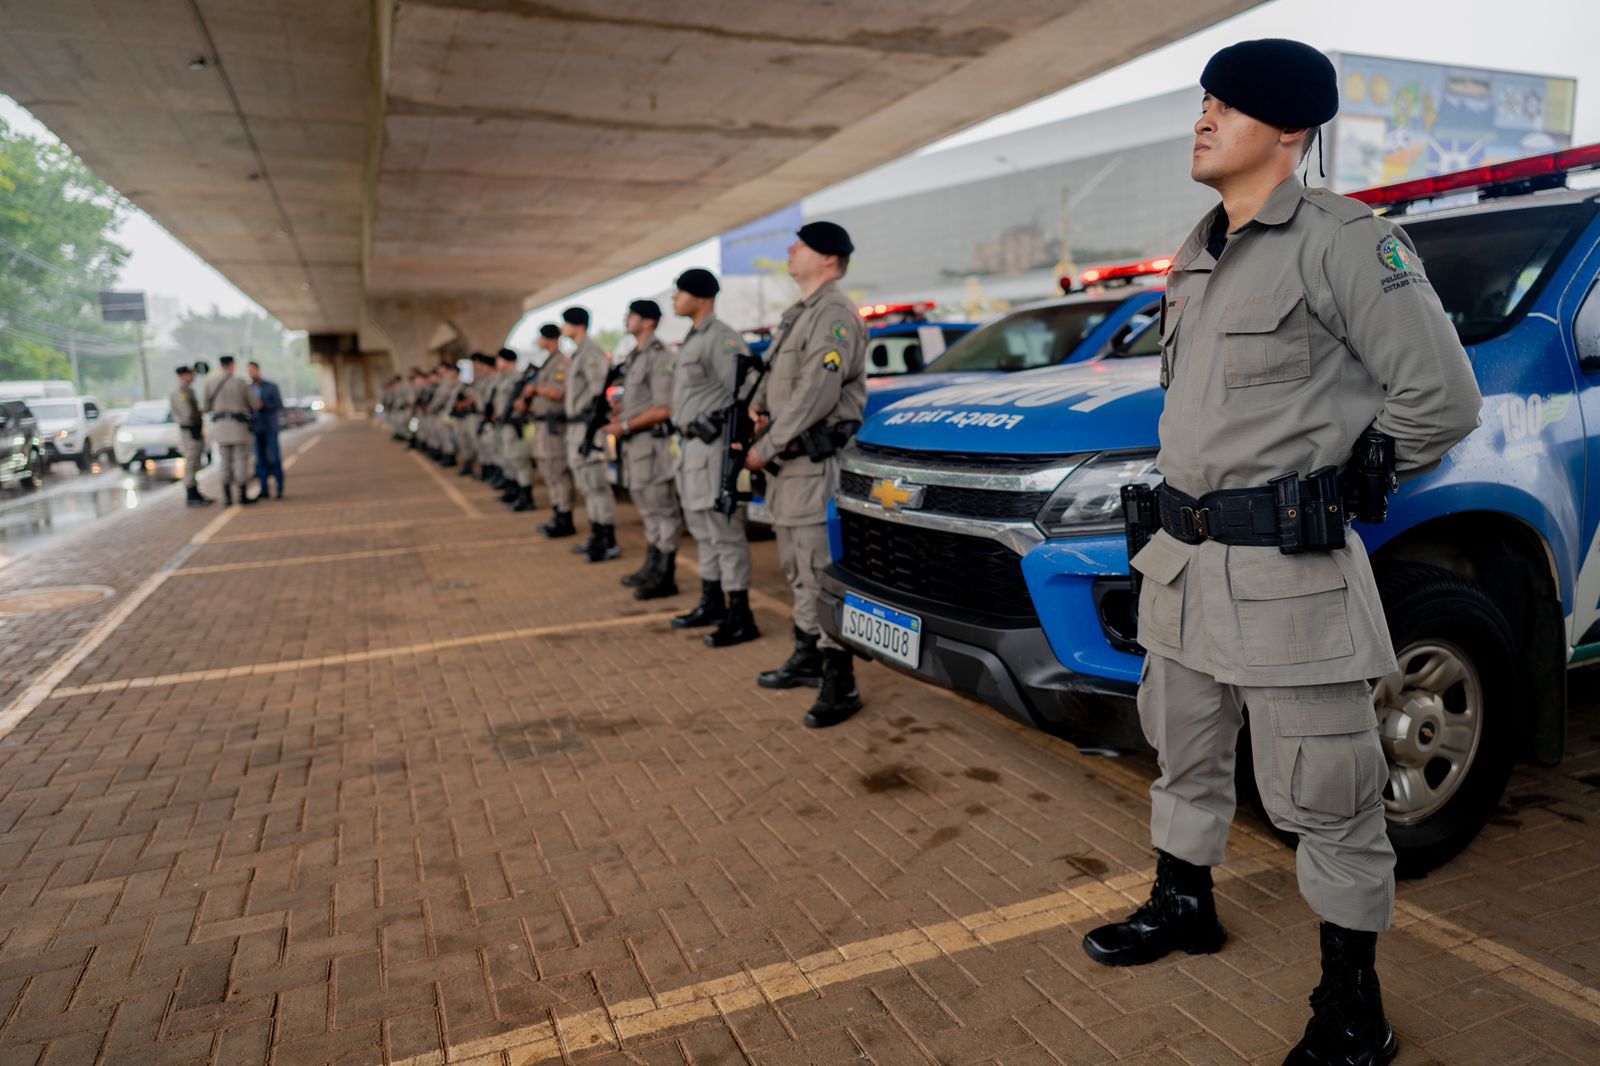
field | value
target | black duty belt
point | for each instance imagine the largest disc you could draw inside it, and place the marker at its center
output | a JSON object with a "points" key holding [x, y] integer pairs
{"points": [[1291, 514], [229, 416]]}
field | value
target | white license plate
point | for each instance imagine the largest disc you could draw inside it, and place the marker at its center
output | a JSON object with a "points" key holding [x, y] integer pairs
{"points": [[891, 633], [757, 512]]}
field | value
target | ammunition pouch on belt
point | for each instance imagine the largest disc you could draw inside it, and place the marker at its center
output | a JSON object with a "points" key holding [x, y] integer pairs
{"points": [[228, 416], [1140, 521]]}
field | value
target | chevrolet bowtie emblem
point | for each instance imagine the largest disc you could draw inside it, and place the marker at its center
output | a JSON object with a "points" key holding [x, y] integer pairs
{"points": [[892, 494]]}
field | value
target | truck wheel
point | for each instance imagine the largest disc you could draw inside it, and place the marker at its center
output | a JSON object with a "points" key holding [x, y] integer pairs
{"points": [[1446, 717], [85, 459]]}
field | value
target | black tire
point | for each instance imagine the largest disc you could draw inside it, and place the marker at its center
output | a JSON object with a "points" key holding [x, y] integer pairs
{"points": [[85, 459], [1428, 604]]}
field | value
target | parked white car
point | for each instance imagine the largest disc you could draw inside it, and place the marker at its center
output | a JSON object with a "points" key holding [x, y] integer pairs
{"points": [[72, 429], [147, 431]]}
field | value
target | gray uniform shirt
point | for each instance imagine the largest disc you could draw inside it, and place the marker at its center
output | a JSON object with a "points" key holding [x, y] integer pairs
{"points": [[1317, 322], [553, 375], [229, 395], [703, 383], [647, 383], [185, 408], [817, 369], [586, 376]]}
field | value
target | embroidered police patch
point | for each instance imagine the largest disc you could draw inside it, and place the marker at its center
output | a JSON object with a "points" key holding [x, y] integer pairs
{"points": [[832, 362], [1401, 261], [840, 331]]}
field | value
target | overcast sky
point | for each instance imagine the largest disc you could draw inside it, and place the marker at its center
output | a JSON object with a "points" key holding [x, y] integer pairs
{"points": [[1538, 36]]}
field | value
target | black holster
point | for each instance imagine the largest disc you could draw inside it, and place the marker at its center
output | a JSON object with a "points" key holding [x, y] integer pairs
{"points": [[1369, 477], [1140, 522]]}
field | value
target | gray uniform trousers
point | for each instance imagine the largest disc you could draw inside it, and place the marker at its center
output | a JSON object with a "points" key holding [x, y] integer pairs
{"points": [[550, 451], [192, 447], [724, 549], [467, 438], [803, 555], [1319, 766], [589, 477], [658, 510], [235, 462], [514, 451]]}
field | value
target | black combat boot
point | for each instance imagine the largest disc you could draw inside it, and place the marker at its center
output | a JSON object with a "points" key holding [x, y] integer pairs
{"points": [[1347, 1026], [738, 627], [663, 581], [524, 500], [227, 495], [197, 500], [641, 576], [447, 459], [839, 698], [804, 667], [498, 480], [602, 546], [559, 526], [708, 612], [468, 468], [509, 494], [244, 495], [1181, 915]]}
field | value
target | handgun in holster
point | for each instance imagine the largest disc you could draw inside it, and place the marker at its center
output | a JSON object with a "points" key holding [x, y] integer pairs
{"points": [[1140, 522], [1369, 477]]}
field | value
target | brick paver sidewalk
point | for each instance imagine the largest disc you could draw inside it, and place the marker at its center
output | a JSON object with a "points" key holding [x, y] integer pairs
{"points": [[376, 774]]}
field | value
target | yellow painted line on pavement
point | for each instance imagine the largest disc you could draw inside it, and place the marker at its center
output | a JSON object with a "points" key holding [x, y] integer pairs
{"points": [[449, 489], [289, 665], [340, 557], [44, 686]]}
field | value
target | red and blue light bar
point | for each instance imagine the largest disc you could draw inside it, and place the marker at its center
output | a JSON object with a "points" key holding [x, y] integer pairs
{"points": [[1533, 169]]}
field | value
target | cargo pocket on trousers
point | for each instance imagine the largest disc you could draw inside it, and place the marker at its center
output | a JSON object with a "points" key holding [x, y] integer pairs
{"points": [[1162, 562], [1265, 339], [1327, 738], [1291, 607]]}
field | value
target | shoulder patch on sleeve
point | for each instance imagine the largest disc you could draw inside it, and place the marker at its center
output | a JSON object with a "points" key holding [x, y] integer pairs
{"points": [[832, 362], [840, 331]]}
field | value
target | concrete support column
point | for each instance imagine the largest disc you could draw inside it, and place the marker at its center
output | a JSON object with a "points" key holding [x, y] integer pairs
{"points": [[481, 325]]}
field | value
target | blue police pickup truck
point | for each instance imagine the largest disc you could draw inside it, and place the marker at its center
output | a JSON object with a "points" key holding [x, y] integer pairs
{"points": [[978, 544]]}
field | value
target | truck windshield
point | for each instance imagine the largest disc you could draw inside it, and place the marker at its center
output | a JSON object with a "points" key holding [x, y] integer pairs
{"points": [[1487, 294], [42, 410], [1023, 340]]}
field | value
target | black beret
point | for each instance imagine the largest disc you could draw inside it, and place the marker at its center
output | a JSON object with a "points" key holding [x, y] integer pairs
{"points": [[508, 355], [483, 358], [225, 360], [698, 281], [550, 331], [646, 309], [575, 316], [184, 370], [829, 238], [1277, 81]]}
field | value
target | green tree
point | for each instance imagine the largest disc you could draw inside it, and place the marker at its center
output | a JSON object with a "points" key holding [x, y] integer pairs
{"points": [[57, 252]]}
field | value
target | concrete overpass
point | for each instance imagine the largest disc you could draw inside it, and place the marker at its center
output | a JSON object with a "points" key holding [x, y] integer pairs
{"points": [[397, 176]]}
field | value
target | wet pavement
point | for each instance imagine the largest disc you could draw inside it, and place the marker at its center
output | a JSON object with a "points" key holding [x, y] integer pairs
{"points": [[70, 501]]}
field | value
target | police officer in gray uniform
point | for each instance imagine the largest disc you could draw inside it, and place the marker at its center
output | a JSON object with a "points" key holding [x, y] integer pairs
{"points": [[586, 381], [191, 434], [511, 415], [1294, 322], [547, 404], [644, 428], [702, 387], [232, 405], [815, 392]]}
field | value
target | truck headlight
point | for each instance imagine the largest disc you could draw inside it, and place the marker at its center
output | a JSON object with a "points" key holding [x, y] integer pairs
{"points": [[63, 434], [1090, 499]]}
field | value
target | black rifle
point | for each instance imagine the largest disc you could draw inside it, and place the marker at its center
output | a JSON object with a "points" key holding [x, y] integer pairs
{"points": [[741, 432], [599, 411]]}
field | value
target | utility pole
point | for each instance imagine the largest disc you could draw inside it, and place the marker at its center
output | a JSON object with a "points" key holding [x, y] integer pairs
{"points": [[72, 353], [144, 364]]}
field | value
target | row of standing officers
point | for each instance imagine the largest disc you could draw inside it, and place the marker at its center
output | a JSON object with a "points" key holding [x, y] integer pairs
{"points": [[803, 405]]}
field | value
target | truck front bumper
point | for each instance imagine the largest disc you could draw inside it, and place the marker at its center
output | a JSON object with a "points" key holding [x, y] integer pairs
{"points": [[1010, 668]]}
